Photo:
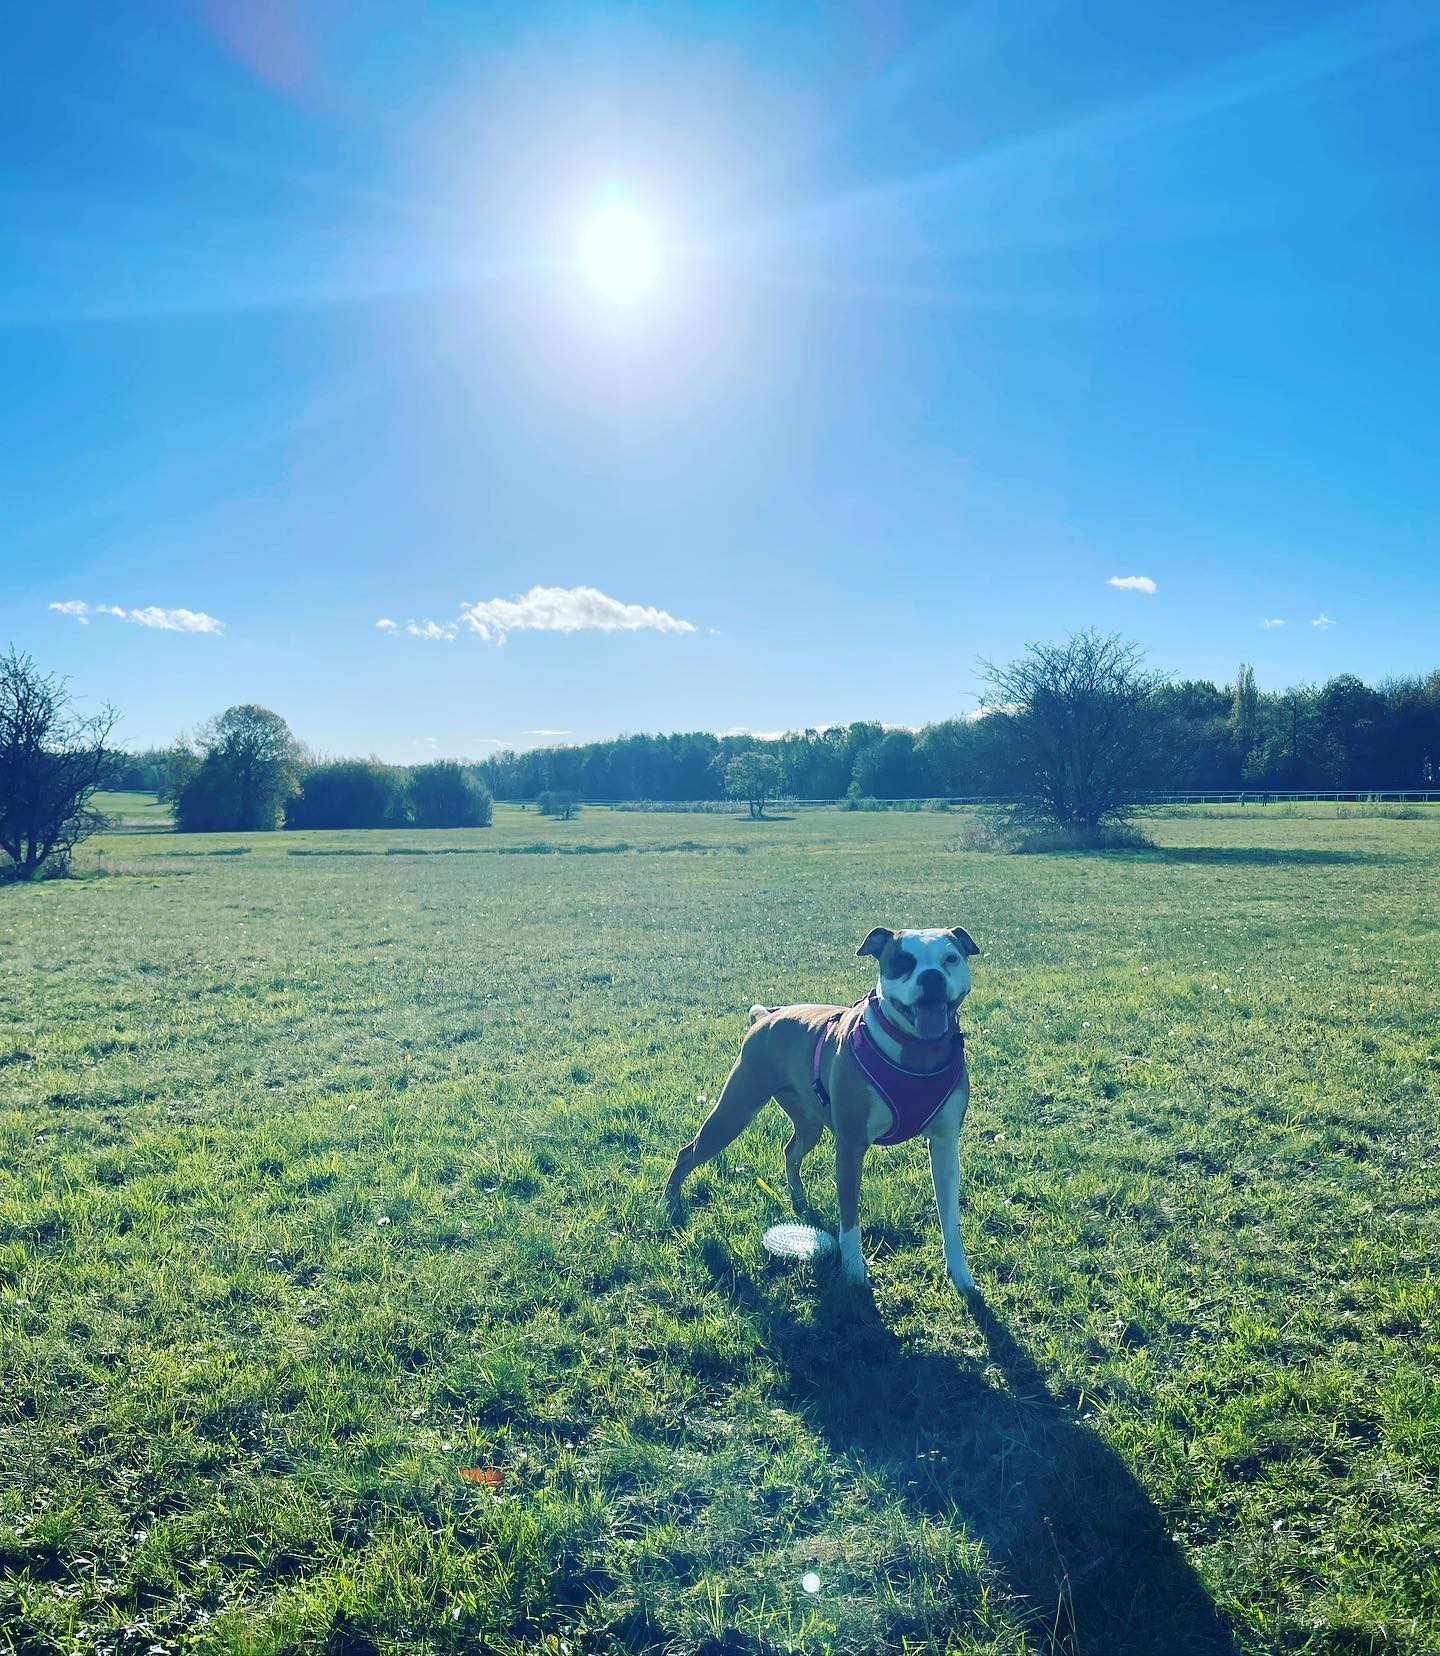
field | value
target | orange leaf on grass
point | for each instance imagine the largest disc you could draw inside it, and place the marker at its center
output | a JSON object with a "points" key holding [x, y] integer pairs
{"points": [[483, 1475]]}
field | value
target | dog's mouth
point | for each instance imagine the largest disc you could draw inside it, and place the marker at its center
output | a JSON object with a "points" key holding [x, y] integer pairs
{"points": [[932, 1018]]}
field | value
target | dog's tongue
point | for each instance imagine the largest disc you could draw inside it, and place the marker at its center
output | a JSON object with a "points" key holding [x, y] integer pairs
{"points": [[931, 1022]]}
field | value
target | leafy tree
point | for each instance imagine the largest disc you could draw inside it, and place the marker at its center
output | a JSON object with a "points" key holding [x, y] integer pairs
{"points": [[1079, 723], [348, 793], [1411, 753], [447, 794], [1193, 736], [52, 759], [249, 765], [755, 778], [893, 768], [1351, 717], [1289, 751], [142, 772], [1244, 712], [178, 767]]}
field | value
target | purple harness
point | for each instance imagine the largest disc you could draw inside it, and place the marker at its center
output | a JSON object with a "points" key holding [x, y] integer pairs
{"points": [[913, 1098]]}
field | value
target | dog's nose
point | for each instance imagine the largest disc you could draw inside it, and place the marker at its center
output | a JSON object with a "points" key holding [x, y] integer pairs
{"points": [[931, 984]]}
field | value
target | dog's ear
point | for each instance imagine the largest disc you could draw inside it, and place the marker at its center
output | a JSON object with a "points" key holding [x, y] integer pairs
{"points": [[963, 941], [875, 943]]}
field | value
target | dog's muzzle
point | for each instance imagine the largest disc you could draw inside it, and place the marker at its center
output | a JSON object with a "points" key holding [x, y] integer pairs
{"points": [[933, 1012]]}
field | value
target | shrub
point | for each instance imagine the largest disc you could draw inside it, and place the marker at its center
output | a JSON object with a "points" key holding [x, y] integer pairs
{"points": [[1002, 834], [349, 793], [855, 800], [447, 794], [559, 802]]}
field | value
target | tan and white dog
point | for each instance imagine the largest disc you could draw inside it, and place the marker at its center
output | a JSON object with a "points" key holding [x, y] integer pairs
{"points": [[887, 1069]]}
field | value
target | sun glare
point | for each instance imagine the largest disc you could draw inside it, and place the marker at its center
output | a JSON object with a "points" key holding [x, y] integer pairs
{"points": [[618, 252]]}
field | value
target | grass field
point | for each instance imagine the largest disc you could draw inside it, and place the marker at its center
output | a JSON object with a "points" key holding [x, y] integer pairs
{"points": [[330, 1169]]}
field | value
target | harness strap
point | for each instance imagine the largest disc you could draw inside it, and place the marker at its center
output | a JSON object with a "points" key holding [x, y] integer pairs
{"points": [[815, 1081]]}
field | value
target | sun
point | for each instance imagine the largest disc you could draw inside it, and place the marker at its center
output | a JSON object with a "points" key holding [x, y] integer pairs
{"points": [[619, 253]]}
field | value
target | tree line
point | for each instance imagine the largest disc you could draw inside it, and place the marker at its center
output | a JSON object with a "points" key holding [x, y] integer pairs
{"points": [[1197, 735], [1073, 735]]}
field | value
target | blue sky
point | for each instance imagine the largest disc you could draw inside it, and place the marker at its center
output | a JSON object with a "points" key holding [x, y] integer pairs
{"points": [[956, 313]]}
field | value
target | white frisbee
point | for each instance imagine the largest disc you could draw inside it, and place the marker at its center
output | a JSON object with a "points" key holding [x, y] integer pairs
{"points": [[798, 1241]]}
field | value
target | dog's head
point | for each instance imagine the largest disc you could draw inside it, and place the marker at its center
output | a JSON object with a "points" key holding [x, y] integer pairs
{"points": [[924, 975]]}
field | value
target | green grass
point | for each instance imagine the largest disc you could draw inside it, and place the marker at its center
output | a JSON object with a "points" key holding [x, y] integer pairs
{"points": [[325, 1176], [136, 811]]}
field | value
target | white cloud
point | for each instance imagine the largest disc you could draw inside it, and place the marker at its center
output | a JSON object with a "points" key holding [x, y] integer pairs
{"points": [[163, 620], [1322, 621], [1275, 621], [547, 732], [547, 609], [759, 735], [1132, 583], [385, 624], [174, 620], [565, 609]]}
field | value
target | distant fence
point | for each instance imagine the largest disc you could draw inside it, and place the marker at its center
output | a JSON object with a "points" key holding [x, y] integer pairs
{"points": [[1173, 796]]}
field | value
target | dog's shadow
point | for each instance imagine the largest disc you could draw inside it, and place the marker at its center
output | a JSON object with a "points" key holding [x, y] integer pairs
{"points": [[1078, 1540]]}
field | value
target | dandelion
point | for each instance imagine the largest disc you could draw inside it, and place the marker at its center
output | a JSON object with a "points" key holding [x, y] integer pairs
{"points": [[810, 1582]]}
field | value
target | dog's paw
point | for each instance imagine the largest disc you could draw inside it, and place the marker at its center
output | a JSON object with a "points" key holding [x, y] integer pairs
{"points": [[964, 1281]]}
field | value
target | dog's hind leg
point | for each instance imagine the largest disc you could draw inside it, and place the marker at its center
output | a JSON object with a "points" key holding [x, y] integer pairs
{"points": [[745, 1093]]}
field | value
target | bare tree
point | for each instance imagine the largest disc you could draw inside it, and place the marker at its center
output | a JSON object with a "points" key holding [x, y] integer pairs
{"points": [[1081, 727], [52, 759]]}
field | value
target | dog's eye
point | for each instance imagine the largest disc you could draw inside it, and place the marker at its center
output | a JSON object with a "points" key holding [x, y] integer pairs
{"points": [[951, 959]]}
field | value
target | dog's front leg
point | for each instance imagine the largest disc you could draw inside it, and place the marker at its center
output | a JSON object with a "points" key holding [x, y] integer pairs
{"points": [[945, 1171], [849, 1155]]}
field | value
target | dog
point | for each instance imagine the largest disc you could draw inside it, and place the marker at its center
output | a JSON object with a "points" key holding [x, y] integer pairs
{"points": [[889, 1068]]}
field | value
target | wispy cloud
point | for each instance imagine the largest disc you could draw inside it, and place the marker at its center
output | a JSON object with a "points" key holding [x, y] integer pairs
{"points": [[1132, 583], [385, 624], [550, 609], [547, 732], [1274, 621], [1322, 621], [161, 620]]}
